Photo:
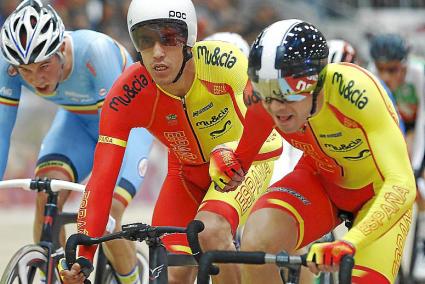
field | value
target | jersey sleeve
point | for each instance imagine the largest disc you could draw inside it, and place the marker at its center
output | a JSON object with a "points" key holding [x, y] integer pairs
{"points": [[258, 127], [10, 92], [396, 192], [117, 119]]}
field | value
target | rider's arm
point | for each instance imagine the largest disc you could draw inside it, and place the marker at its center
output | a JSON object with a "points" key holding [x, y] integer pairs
{"points": [[10, 92], [395, 193], [258, 126], [117, 119]]}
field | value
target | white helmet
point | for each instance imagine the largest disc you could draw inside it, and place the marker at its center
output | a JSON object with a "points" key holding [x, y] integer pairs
{"points": [[341, 51], [141, 12], [233, 38], [31, 34]]}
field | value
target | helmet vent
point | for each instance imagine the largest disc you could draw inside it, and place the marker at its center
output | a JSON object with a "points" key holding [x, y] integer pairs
{"points": [[23, 36], [46, 27], [13, 53], [15, 24], [53, 45], [33, 21], [37, 51]]}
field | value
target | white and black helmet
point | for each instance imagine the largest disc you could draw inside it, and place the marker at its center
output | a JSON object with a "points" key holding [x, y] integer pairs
{"points": [[141, 12], [232, 38], [286, 60], [31, 34], [341, 51]]}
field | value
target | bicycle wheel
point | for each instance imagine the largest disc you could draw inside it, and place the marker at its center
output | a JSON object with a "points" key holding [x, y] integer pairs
{"points": [[28, 265], [143, 263]]}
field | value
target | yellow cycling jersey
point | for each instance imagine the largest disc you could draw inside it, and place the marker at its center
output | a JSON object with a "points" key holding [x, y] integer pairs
{"points": [[353, 143]]}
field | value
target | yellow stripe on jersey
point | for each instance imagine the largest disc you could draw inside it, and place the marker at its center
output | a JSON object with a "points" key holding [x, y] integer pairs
{"points": [[111, 140], [9, 102], [55, 164], [181, 248], [123, 193], [84, 109], [295, 214]]}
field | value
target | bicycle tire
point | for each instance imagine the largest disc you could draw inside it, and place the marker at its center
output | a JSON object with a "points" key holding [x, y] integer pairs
{"points": [[23, 266]]}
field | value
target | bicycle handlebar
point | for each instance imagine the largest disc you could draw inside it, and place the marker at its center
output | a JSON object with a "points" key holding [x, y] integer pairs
{"points": [[133, 232], [53, 185], [281, 259]]}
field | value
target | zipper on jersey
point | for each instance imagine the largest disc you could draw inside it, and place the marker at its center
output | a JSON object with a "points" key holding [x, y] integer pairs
{"points": [[191, 128]]}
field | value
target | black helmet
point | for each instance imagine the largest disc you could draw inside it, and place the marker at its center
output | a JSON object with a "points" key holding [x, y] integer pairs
{"points": [[388, 47], [286, 60]]}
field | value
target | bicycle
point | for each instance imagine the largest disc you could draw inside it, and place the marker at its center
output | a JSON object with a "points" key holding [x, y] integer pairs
{"points": [[159, 258], [44, 256], [282, 259]]}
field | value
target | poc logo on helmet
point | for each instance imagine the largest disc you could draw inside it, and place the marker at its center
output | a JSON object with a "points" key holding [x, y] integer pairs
{"points": [[177, 14]]}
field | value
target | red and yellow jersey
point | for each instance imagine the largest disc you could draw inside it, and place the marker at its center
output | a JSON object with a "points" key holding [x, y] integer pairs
{"points": [[211, 113], [352, 142]]}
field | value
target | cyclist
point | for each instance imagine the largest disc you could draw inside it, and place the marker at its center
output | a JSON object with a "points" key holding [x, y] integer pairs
{"points": [[341, 51], [74, 70], [233, 38], [355, 158], [405, 77], [191, 95]]}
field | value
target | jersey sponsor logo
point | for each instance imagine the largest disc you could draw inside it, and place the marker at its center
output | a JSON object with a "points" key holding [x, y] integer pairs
{"points": [[202, 110], [216, 57], [171, 119], [297, 195], [404, 226], [321, 161], [6, 91], [249, 190], [76, 97], [130, 92], [82, 213], [111, 140], [142, 167], [11, 71], [213, 120], [390, 205], [179, 145], [176, 14], [349, 92], [217, 133], [103, 92], [344, 147], [331, 135], [363, 154]]}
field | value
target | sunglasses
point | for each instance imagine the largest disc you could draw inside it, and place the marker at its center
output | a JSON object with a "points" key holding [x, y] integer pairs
{"points": [[146, 35], [280, 90]]}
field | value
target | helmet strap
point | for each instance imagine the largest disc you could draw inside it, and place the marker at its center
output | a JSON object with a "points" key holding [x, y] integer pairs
{"points": [[62, 63], [316, 93], [187, 55]]}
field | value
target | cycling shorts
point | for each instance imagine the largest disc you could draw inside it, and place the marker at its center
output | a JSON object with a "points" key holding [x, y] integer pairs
{"points": [[188, 189], [312, 202]]}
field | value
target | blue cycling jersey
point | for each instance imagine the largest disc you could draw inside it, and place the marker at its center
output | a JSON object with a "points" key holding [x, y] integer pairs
{"points": [[97, 61]]}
